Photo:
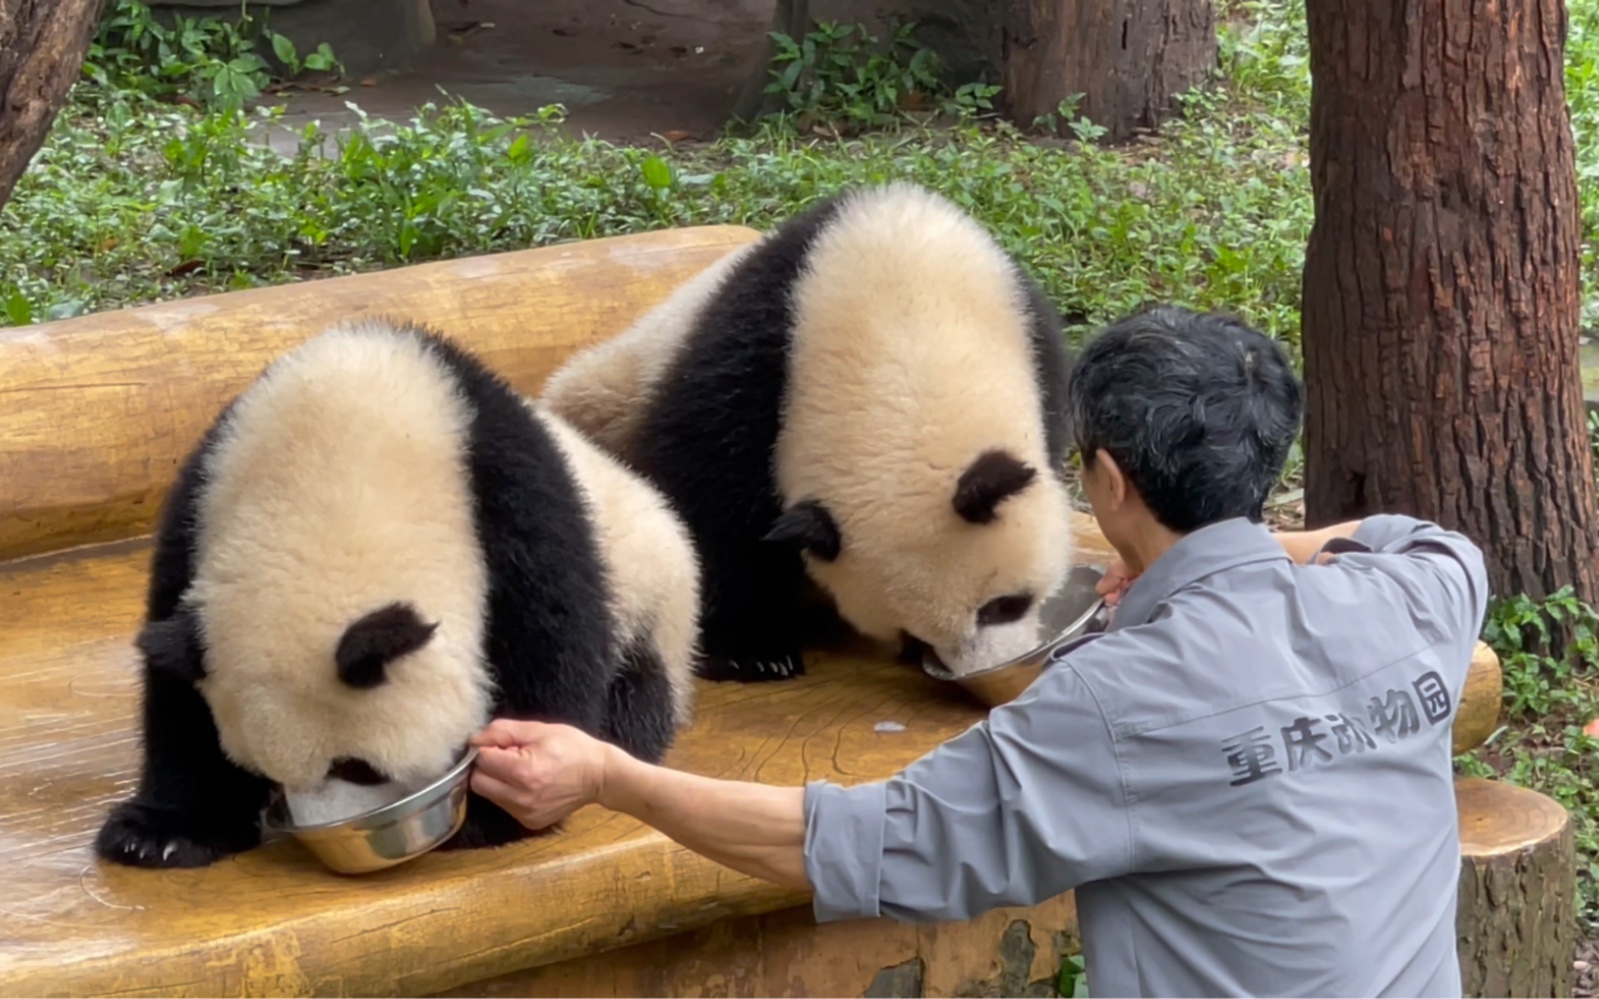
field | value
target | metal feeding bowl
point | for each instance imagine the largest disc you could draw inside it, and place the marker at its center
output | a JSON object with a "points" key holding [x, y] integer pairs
{"points": [[386, 836], [1074, 611]]}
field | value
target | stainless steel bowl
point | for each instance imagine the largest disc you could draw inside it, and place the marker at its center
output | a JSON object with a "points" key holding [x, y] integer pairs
{"points": [[386, 836], [1074, 611]]}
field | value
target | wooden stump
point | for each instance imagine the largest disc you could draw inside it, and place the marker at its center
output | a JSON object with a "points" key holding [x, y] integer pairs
{"points": [[1517, 914]]}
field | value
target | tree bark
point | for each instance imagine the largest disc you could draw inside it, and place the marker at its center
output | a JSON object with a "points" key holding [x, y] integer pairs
{"points": [[1127, 58], [42, 45], [1516, 914], [1441, 282]]}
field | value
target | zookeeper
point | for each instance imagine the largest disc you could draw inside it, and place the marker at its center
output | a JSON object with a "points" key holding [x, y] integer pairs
{"points": [[1246, 778]]}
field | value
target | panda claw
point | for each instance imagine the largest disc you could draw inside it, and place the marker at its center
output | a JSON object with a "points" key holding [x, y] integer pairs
{"points": [[754, 670], [138, 835]]}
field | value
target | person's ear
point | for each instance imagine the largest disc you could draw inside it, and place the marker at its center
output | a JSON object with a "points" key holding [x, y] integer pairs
{"points": [[1116, 484]]}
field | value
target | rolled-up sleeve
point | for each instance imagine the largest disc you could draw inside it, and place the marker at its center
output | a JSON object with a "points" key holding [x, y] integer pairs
{"points": [[1018, 809], [1445, 569]]}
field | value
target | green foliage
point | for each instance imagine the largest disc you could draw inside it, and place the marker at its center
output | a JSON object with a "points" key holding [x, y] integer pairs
{"points": [[844, 76], [1550, 694], [209, 60], [1213, 214], [1263, 49], [1073, 982], [1582, 96]]}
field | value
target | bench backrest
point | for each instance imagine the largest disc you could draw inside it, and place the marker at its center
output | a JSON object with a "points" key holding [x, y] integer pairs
{"points": [[97, 413]]}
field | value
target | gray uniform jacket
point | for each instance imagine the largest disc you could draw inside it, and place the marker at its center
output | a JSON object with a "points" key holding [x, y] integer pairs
{"points": [[1247, 779]]}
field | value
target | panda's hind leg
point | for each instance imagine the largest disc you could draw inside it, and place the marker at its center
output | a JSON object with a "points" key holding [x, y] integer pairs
{"points": [[641, 711]]}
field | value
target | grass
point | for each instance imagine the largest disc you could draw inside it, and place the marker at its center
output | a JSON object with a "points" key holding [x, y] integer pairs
{"points": [[136, 199]]}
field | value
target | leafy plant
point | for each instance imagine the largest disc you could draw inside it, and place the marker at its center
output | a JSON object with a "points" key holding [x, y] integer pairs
{"points": [[1073, 982], [207, 59], [842, 75]]}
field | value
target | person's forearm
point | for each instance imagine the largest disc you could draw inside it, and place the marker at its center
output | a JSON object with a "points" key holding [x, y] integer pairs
{"points": [[1302, 546], [751, 828]]}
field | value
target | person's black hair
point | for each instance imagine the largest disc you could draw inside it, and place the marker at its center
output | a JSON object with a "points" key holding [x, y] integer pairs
{"points": [[1199, 410]]}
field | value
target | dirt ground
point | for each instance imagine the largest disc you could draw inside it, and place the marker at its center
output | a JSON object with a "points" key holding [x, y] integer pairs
{"points": [[624, 69]]}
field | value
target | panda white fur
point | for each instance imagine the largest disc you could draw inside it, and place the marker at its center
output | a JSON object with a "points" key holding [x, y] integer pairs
{"points": [[874, 394], [377, 547]]}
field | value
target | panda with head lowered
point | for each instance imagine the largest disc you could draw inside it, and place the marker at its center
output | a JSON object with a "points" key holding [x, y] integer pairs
{"points": [[868, 404], [375, 549]]}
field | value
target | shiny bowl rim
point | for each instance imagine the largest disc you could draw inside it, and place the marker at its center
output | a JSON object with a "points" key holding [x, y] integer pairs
{"points": [[383, 815], [1033, 657]]}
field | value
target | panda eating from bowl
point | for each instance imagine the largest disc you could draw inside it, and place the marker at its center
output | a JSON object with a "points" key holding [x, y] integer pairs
{"points": [[375, 549], [865, 410]]}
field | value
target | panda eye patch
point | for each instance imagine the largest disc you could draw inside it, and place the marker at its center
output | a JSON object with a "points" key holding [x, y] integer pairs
{"points": [[1004, 610]]}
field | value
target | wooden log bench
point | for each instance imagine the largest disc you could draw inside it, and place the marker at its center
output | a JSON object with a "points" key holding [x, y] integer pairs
{"points": [[95, 416]]}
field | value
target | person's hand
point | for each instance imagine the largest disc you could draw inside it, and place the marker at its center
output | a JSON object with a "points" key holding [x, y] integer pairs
{"points": [[538, 772], [1114, 582]]}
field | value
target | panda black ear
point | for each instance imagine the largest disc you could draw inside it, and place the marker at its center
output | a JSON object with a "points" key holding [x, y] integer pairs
{"points": [[808, 525], [371, 643], [987, 482], [172, 647]]}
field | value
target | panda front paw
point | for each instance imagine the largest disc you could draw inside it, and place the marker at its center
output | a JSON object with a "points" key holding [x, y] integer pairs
{"points": [[138, 835], [752, 669]]}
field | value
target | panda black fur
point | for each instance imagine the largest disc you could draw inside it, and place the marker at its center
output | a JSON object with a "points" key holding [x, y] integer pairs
{"points": [[864, 399], [376, 548]]}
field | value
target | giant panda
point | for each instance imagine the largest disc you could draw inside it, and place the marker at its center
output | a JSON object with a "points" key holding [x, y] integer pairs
{"points": [[869, 402], [374, 549]]}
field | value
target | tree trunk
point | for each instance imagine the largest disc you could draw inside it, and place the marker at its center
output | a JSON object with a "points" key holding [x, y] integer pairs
{"points": [[1441, 283], [42, 45], [1516, 915], [1127, 58]]}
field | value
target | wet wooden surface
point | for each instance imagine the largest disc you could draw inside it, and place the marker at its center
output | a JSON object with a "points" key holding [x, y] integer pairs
{"points": [[272, 922], [97, 413], [1004, 952]]}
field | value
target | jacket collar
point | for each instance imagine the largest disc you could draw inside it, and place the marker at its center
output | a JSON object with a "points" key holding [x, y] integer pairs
{"points": [[1214, 548]]}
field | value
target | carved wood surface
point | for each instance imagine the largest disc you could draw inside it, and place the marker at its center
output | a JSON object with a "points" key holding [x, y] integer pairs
{"points": [[99, 411], [272, 921], [1005, 952]]}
